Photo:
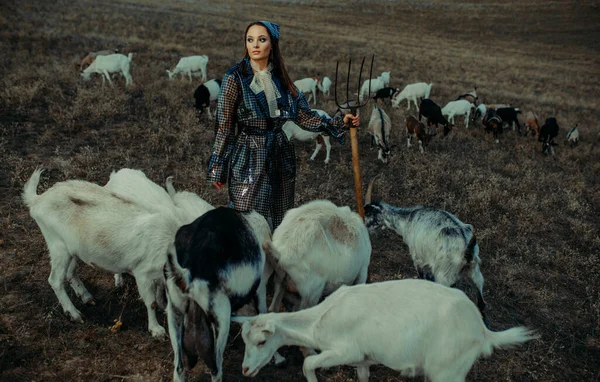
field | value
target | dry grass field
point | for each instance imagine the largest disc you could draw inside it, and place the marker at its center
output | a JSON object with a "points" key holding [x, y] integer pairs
{"points": [[537, 218]]}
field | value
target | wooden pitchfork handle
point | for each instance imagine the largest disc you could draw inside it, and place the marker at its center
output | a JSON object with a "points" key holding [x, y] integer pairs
{"points": [[356, 168]]}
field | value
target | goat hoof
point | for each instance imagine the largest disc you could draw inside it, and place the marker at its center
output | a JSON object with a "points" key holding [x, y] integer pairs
{"points": [[158, 332], [90, 301], [76, 316]]}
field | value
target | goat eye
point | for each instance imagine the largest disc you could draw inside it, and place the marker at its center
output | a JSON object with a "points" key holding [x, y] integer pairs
{"points": [[261, 343]]}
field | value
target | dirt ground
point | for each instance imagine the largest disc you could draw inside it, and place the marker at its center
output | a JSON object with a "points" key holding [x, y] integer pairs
{"points": [[537, 218]]}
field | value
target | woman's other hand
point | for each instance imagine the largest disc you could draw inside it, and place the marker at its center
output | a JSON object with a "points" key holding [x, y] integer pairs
{"points": [[351, 118], [218, 185]]}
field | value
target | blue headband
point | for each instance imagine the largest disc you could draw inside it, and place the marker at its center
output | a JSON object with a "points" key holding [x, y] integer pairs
{"points": [[272, 28]]}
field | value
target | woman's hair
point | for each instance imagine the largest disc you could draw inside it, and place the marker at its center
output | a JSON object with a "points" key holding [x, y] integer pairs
{"points": [[275, 58]]}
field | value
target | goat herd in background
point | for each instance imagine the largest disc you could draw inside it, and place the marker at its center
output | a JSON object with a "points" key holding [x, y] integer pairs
{"points": [[494, 117], [133, 225]]}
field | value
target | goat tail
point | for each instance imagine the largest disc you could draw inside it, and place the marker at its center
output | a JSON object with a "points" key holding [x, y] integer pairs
{"points": [[130, 56], [271, 252], [170, 188], [30, 188], [507, 338]]}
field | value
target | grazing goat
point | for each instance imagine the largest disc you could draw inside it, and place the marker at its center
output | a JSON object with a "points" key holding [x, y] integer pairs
{"points": [[205, 94], [547, 134], [416, 129], [531, 123], [374, 84], [217, 270], [460, 107], [87, 60], [293, 131], [413, 326], [113, 63], [433, 113], [189, 65], [320, 246], [443, 248], [412, 92], [82, 221], [573, 136], [380, 125], [135, 186], [385, 93], [308, 86], [482, 109], [493, 123], [509, 115], [325, 85]]}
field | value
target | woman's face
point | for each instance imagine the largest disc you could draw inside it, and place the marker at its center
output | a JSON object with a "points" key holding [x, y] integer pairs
{"points": [[258, 43]]}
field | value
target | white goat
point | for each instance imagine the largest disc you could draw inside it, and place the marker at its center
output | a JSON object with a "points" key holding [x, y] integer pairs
{"points": [[134, 185], [375, 83], [380, 125], [412, 92], [189, 65], [308, 86], [293, 131], [460, 107], [573, 136], [443, 248], [325, 85], [320, 246], [113, 63], [413, 326], [83, 221], [87, 60]]}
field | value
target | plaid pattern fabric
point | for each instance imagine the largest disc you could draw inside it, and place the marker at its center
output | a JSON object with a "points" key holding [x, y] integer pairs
{"points": [[259, 163]]}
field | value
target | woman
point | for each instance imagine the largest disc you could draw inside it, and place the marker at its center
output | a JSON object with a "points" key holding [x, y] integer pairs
{"points": [[258, 97]]}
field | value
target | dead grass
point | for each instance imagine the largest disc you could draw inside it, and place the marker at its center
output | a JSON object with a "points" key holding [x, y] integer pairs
{"points": [[537, 218]]}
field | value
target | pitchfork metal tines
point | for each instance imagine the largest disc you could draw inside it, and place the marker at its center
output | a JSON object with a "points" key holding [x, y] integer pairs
{"points": [[351, 104]]}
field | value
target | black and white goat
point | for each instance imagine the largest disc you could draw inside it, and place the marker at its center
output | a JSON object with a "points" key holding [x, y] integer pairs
{"points": [[433, 112], [573, 136], [205, 94], [217, 269], [385, 93], [509, 115], [548, 132], [380, 125], [413, 326], [82, 221], [443, 248]]}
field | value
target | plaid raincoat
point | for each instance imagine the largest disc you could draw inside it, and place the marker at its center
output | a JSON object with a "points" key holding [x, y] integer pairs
{"points": [[259, 163]]}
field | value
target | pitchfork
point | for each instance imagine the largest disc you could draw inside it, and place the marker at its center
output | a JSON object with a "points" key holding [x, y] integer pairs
{"points": [[354, 106]]}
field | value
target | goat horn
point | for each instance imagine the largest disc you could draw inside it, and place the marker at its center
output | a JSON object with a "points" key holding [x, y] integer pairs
{"points": [[241, 319], [369, 195]]}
